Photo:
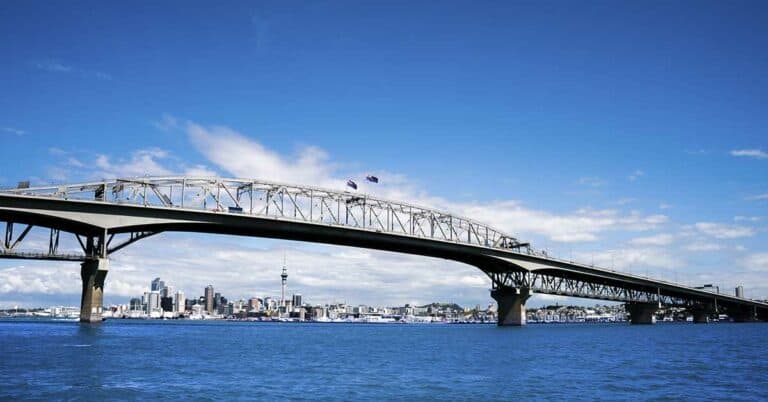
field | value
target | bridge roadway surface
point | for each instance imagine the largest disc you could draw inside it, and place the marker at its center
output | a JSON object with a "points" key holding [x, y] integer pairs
{"points": [[108, 215]]}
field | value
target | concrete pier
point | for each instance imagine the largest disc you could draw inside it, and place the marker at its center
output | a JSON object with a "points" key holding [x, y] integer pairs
{"points": [[511, 305], [642, 313], [93, 272], [743, 315], [700, 316]]}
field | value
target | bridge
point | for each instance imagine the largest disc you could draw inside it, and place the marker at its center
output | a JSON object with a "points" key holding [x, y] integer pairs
{"points": [[106, 216]]}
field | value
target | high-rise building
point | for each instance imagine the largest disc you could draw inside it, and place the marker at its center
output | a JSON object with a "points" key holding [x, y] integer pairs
{"points": [[209, 299], [166, 303], [296, 299], [157, 285], [167, 291], [254, 304], [180, 303], [135, 304], [153, 302]]}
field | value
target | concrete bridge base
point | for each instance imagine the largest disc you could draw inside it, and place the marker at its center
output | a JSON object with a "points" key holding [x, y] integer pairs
{"points": [[93, 272], [511, 305], [700, 316], [642, 313], [745, 315]]}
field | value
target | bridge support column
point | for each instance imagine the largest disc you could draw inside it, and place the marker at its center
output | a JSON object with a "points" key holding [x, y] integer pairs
{"points": [[701, 312], [748, 314], [700, 316], [93, 272], [642, 313], [511, 305]]}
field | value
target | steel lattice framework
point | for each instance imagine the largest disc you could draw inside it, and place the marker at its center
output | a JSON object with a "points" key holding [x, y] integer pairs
{"points": [[556, 285], [285, 201]]}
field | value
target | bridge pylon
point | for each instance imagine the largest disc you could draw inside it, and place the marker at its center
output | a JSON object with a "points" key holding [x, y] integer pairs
{"points": [[642, 313], [511, 305], [93, 272], [702, 312]]}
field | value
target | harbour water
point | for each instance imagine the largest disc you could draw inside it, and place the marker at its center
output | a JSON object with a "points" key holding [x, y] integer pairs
{"points": [[182, 360]]}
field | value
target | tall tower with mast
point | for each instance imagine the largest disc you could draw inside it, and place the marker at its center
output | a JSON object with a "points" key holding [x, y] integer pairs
{"points": [[284, 277]]}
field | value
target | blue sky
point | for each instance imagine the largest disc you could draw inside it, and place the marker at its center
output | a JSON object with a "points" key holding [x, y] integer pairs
{"points": [[607, 131]]}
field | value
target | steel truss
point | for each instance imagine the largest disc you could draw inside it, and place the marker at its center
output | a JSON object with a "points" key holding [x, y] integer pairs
{"points": [[92, 246], [554, 285], [283, 201]]}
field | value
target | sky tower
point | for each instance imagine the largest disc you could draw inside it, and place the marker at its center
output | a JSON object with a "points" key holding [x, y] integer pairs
{"points": [[284, 277]]}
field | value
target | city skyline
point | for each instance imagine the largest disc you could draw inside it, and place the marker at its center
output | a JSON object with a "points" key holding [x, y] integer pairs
{"points": [[648, 159]]}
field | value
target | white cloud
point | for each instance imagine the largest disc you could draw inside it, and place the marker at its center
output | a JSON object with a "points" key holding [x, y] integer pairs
{"points": [[235, 153], [750, 153], [591, 181], [747, 218], [703, 246], [723, 231], [53, 66], [756, 262], [664, 206], [632, 259], [580, 226], [57, 151], [636, 175], [321, 273], [11, 130], [624, 201], [241, 156], [200, 171], [166, 123], [142, 162], [758, 197], [661, 239], [75, 163]]}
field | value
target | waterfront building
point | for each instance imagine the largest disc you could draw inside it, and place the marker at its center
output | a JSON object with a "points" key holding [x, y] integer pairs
{"points": [[157, 285], [166, 303], [254, 304], [153, 302], [269, 304], [209, 299], [135, 304], [180, 302], [296, 300]]}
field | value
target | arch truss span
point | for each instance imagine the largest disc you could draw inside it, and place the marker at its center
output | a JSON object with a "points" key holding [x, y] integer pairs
{"points": [[286, 202], [551, 284]]}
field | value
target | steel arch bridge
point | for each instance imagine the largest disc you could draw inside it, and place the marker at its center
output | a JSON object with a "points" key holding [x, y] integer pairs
{"points": [[106, 216]]}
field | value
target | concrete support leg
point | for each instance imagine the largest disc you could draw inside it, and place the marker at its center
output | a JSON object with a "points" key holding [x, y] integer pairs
{"points": [[745, 315], [700, 316], [642, 313], [511, 305], [93, 272]]}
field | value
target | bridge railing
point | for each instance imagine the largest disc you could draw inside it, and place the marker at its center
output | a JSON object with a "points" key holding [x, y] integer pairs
{"points": [[285, 201]]}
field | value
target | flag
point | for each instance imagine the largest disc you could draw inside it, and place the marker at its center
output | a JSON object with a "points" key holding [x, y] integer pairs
{"points": [[352, 184], [372, 179]]}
